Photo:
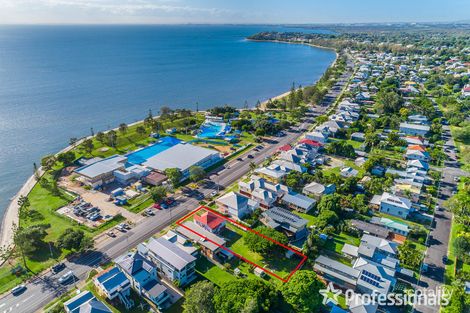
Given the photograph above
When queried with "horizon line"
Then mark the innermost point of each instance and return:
(234, 24)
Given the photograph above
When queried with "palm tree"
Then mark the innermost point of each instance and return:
(252, 166)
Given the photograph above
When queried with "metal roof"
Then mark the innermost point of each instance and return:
(199, 239)
(170, 253)
(182, 156)
(299, 200)
(101, 167)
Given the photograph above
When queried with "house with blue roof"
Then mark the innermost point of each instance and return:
(142, 274)
(114, 284)
(85, 302)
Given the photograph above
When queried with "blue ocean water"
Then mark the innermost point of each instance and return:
(56, 82)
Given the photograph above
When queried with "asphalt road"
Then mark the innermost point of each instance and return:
(438, 239)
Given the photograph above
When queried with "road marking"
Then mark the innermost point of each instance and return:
(28, 298)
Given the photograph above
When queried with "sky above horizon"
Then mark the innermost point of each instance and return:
(230, 11)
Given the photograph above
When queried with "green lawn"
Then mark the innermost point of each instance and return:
(44, 205)
(311, 219)
(139, 203)
(8, 280)
(338, 241)
(212, 272)
(278, 264)
(463, 151)
(451, 262)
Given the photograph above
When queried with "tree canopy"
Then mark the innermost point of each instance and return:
(247, 295)
(199, 298)
(302, 292)
(257, 243)
(74, 239)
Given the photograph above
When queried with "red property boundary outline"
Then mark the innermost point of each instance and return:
(303, 256)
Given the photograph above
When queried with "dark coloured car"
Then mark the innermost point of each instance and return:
(57, 268)
(249, 156)
(18, 289)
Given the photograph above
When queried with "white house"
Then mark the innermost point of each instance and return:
(236, 205)
(316, 136)
(392, 204)
(414, 129)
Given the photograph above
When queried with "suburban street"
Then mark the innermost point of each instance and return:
(438, 239)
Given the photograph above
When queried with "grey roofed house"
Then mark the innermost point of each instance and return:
(314, 188)
(290, 166)
(374, 277)
(298, 201)
(233, 200)
(183, 242)
(369, 228)
(170, 253)
(85, 302)
(279, 216)
(370, 243)
(336, 270)
(286, 220)
(133, 263)
(318, 190)
(348, 172)
(154, 289)
(419, 128)
(182, 156)
(350, 250)
(202, 241)
(102, 167)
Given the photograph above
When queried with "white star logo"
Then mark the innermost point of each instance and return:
(330, 291)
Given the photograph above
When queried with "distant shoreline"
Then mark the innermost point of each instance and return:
(280, 96)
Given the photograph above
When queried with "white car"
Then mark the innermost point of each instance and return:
(66, 277)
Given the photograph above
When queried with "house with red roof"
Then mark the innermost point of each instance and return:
(284, 148)
(210, 221)
(416, 147)
(310, 142)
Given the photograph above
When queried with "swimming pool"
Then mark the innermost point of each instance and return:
(142, 155)
(212, 130)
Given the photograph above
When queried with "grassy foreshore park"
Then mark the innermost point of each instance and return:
(44, 235)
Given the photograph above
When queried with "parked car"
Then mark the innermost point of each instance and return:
(57, 268)
(213, 193)
(66, 277)
(18, 289)
(239, 159)
(111, 234)
(120, 228)
(150, 212)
